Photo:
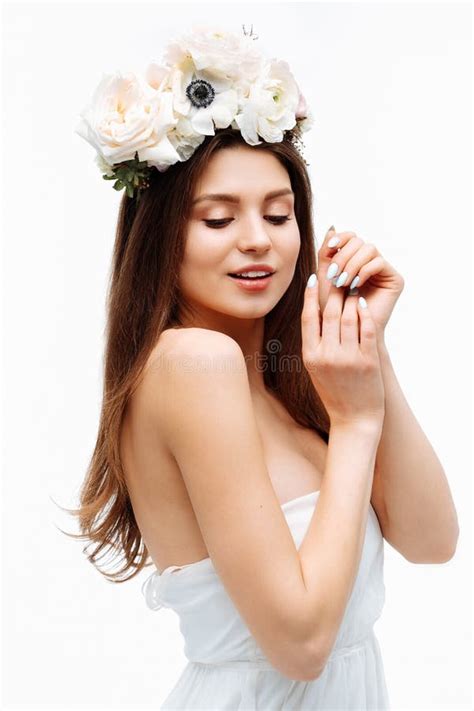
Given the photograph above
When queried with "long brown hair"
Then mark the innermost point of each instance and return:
(143, 300)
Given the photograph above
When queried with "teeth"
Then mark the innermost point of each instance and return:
(253, 274)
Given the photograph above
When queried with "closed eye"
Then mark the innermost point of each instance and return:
(275, 219)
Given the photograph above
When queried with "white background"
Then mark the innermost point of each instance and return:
(390, 158)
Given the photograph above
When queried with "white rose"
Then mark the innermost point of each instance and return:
(225, 54)
(127, 115)
(185, 139)
(271, 105)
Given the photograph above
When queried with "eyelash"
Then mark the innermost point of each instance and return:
(218, 224)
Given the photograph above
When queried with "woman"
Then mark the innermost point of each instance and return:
(242, 418)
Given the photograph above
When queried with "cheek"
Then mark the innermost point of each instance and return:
(291, 246)
(204, 252)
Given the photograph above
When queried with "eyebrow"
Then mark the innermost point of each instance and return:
(228, 197)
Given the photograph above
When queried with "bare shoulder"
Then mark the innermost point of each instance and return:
(193, 339)
(183, 362)
(181, 352)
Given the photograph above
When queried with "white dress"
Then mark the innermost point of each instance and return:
(226, 668)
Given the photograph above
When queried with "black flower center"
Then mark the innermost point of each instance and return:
(200, 93)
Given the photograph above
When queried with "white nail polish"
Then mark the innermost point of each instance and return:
(341, 279)
(354, 282)
(333, 241)
(312, 280)
(332, 270)
(362, 302)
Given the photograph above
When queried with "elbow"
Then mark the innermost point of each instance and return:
(313, 672)
(305, 654)
(437, 551)
(448, 554)
(442, 555)
(307, 670)
(316, 651)
(312, 664)
(303, 664)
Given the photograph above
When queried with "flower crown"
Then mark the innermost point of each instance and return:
(209, 79)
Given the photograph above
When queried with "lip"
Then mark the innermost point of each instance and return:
(254, 284)
(259, 267)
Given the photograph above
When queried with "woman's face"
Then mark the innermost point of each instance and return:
(251, 228)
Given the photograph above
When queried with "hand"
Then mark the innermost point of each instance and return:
(340, 353)
(382, 284)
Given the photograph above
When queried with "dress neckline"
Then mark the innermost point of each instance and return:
(207, 560)
(299, 498)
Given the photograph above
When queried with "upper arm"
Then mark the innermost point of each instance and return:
(205, 414)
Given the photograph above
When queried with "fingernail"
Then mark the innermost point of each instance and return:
(333, 241)
(362, 302)
(342, 278)
(332, 270)
(332, 229)
(312, 280)
(354, 282)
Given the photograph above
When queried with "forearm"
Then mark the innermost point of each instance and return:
(332, 547)
(421, 520)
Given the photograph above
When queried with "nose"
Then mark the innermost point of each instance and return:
(254, 234)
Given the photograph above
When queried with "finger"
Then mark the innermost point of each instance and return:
(368, 333)
(337, 266)
(335, 241)
(324, 252)
(310, 317)
(331, 317)
(355, 261)
(365, 270)
(330, 234)
(350, 322)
